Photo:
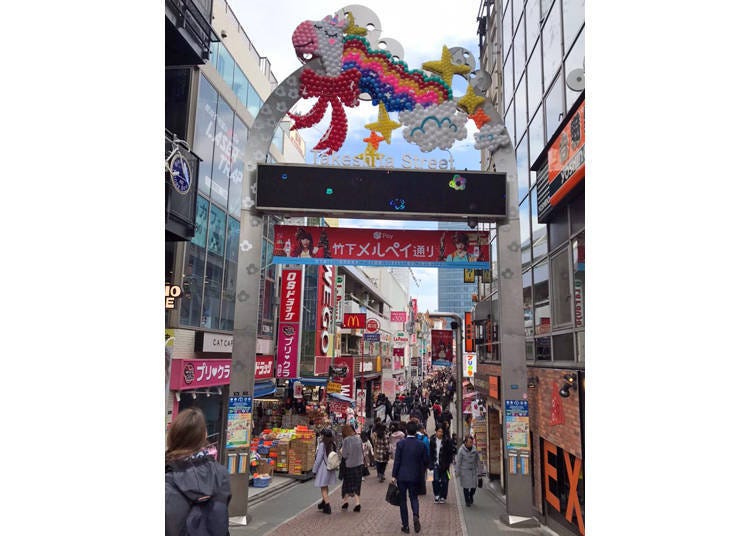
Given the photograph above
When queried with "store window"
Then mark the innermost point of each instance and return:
(522, 163)
(203, 140)
(524, 216)
(192, 285)
(543, 348)
(541, 299)
(507, 33)
(519, 53)
(551, 46)
(574, 61)
(579, 280)
(237, 169)
(510, 122)
(508, 84)
(534, 76)
(225, 65)
(562, 347)
(561, 293)
(240, 85)
(580, 344)
(230, 275)
(522, 119)
(530, 350)
(573, 17)
(536, 134)
(528, 305)
(554, 105)
(558, 229)
(222, 155)
(577, 213)
(538, 230)
(533, 22)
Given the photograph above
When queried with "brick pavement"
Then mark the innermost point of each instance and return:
(377, 516)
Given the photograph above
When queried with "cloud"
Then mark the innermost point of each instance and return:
(491, 137)
(434, 126)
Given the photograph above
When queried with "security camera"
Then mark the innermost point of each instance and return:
(472, 223)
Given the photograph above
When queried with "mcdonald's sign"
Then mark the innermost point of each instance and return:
(354, 320)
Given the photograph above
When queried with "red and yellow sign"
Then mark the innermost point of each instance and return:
(354, 320)
(565, 156)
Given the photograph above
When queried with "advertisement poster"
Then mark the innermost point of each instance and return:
(517, 424)
(398, 316)
(263, 367)
(342, 372)
(291, 296)
(442, 347)
(239, 421)
(378, 247)
(470, 364)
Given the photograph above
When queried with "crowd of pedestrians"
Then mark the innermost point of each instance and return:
(398, 434)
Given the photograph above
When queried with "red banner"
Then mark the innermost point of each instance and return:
(291, 295)
(379, 247)
(442, 347)
(263, 367)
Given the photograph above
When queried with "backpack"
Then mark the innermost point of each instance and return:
(204, 515)
(207, 517)
(333, 460)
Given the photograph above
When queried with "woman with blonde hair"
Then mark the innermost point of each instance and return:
(197, 487)
(352, 464)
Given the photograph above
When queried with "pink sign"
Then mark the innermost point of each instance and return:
(263, 367)
(289, 337)
(398, 316)
(389, 387)
(198, 373)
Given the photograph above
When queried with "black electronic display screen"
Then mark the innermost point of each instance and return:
(294, 189)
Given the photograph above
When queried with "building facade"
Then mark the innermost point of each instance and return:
(534, 53)
(210, 104)
(454, 293)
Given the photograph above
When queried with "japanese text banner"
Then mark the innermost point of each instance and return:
(379, 247)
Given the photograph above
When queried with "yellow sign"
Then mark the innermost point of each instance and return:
(333, 387)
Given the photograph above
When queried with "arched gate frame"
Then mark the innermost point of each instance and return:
(508, 311)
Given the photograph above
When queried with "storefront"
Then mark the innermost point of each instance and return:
(202, 383)
(556, 402)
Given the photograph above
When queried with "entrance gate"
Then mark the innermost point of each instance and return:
(342, 69)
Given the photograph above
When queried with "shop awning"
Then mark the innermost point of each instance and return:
(319, 382)
(264, 388)
(339, 396)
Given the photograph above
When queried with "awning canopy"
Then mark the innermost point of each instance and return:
(339, 396)
(264, 388)
(319, 382)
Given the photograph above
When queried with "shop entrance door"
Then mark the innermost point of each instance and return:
(212, 409)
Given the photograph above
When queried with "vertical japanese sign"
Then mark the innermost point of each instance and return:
(289, 324)
(470, 364)
(442, 347)
(468, 332)
(239, 421)
(325, 321)
(340, 285)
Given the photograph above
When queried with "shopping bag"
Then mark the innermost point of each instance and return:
(393, 495)
(481, 482)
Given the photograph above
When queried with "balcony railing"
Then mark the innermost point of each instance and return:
(195, 17)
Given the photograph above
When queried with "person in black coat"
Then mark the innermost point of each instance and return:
(442, 451)
(409, 464)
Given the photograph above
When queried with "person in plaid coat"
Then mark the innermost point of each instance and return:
(381, 446)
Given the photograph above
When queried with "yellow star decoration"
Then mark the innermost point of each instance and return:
(374, 140)
(445, 68)
(370, 156)
(384, 124)
(470, 101)
(352, 28)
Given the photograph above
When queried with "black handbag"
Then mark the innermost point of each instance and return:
(480, 482)
(393, 495)
(341, 468)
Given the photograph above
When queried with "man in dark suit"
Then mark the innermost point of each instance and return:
(409, 464)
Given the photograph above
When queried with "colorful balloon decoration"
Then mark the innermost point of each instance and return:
(424, 102)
